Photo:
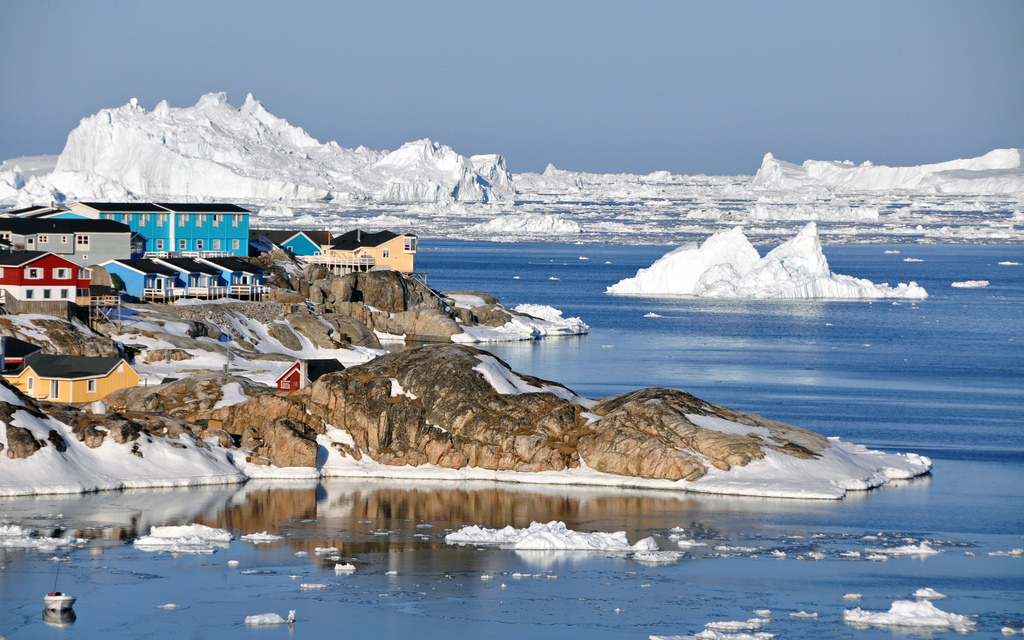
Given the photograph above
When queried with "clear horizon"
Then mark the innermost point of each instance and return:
(686, 87)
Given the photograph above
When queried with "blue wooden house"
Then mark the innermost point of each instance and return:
(147, 279)
(243, 279)
(200, 279)
(188, 229)
(299, 243)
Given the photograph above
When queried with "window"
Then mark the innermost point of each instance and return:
(161, 218)
(31, 383)
(235, 219)
(30, 242)
(33, 274)
(410, 244)
(200, 218)
(182, 219)
(44, 239)
(84, 274)
(216, 220)
(64, 294)
(216, 244)
(386, 253)
(160, 244)
(62, 274)
(286, 384)
(5, 235)
(144, 219)
(1, 272)
(46, 294)
(30, 294)
(63, 239)
(199, 244)
(90, 386)
(82, 242)
(234, 244)
(182, 244)
(54, 388)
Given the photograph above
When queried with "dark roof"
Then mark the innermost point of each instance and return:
(124, 207)
(202, 207)
(190, 265)
(28, 226)
(280, 236)
(145, 265)
(68, 367)
(321, 367)
(229, 263)
(18, 258)
(358, 238)
(17, 348)
(34, 210)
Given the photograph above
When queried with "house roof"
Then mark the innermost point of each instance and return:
(18, 258)
(144, 265)
(358, 238)
(201, 207)
(18, 348)
(189, 265)
(229, 263)
(321, 367)
(28, 226)
(125, 207)
(69, 367)
(280, 236)
(31, 211)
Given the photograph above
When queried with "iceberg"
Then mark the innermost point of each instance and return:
(907, 613)
(728, 266)
(214, 151)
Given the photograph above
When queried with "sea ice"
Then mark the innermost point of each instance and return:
(269, 619)
(970, 284)
(553, 535)
(928, 594)
(728, 266)
(261, 538)
(191, 538)
(906, 613)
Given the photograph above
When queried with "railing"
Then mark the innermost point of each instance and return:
(354, 263)
(188, 254)
(169, 293)
(208, 292)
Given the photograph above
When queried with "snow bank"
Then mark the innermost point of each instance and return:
(906, 613)
(214, 151)
(728, 266)
(998, 171)
(551, 536)
(530, 322)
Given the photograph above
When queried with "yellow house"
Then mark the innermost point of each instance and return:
(381, 249)
(57, 378)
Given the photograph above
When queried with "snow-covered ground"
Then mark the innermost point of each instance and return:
(248, 156)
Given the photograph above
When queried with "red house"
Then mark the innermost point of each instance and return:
(41, 276)
(303, 372)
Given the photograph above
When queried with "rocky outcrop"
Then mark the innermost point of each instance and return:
(56, 335)
(186, 398)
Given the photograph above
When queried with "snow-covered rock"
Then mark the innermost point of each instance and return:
(728, 266)
(212, 150)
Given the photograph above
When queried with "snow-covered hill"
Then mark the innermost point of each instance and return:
(214, 151)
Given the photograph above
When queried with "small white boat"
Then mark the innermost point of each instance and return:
(57, 601)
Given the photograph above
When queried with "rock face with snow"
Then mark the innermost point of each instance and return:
(212, 150)
(998, 171)
(728, 266)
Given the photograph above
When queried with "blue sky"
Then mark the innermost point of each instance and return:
(691, 87)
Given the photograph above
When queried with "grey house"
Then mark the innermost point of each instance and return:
(84, 242)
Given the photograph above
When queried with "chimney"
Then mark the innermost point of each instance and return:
(359, 235)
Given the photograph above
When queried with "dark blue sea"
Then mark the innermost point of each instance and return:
(942, 377)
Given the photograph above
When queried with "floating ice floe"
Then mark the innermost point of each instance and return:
(1010, 263)
(852, 596)
(168, 606)
(928, 594)
(313, 586)
(269, 619)
(970, 284)
(923, 549)
(753, 624)
(728, 266)
(906, 613)
(190, 538)
(261, 538)
(803, 614)
(551, 536)
(344, 568)
(1013, 553)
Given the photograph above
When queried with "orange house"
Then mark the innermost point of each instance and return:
(381, 249)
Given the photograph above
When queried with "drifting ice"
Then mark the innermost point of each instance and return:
(728, 266)
(905, 613)
(553, 535)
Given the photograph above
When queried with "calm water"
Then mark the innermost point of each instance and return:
(943, 377)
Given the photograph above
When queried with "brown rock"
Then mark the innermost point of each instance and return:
(20, 442)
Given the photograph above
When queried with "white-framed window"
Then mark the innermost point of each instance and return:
(63, 239)
(82, 242)
(62, 274)
(84, 274)
(235, 219)
(54, 388)
(199, 244)
(64, 294)
(161, 219)
(30, 243)
(200, 219)
(32, 273)
(44, 239)
(159, 244)
(385, 253)
(46, 294)
(30, 383)
(410, 245)
(216, 244)
(90, 385)
(5, 235)
(182, 219)
(234, 244)
(216, 220)
(182, 244)
(144, 220)
(30, 294)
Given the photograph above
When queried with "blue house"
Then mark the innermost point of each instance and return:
(186, 229)
(200, 280)
(147, 279)
(243, 279)
(299, 243)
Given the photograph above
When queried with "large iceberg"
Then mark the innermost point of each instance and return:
(212, 150)
(998, 171)
(728, 266)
